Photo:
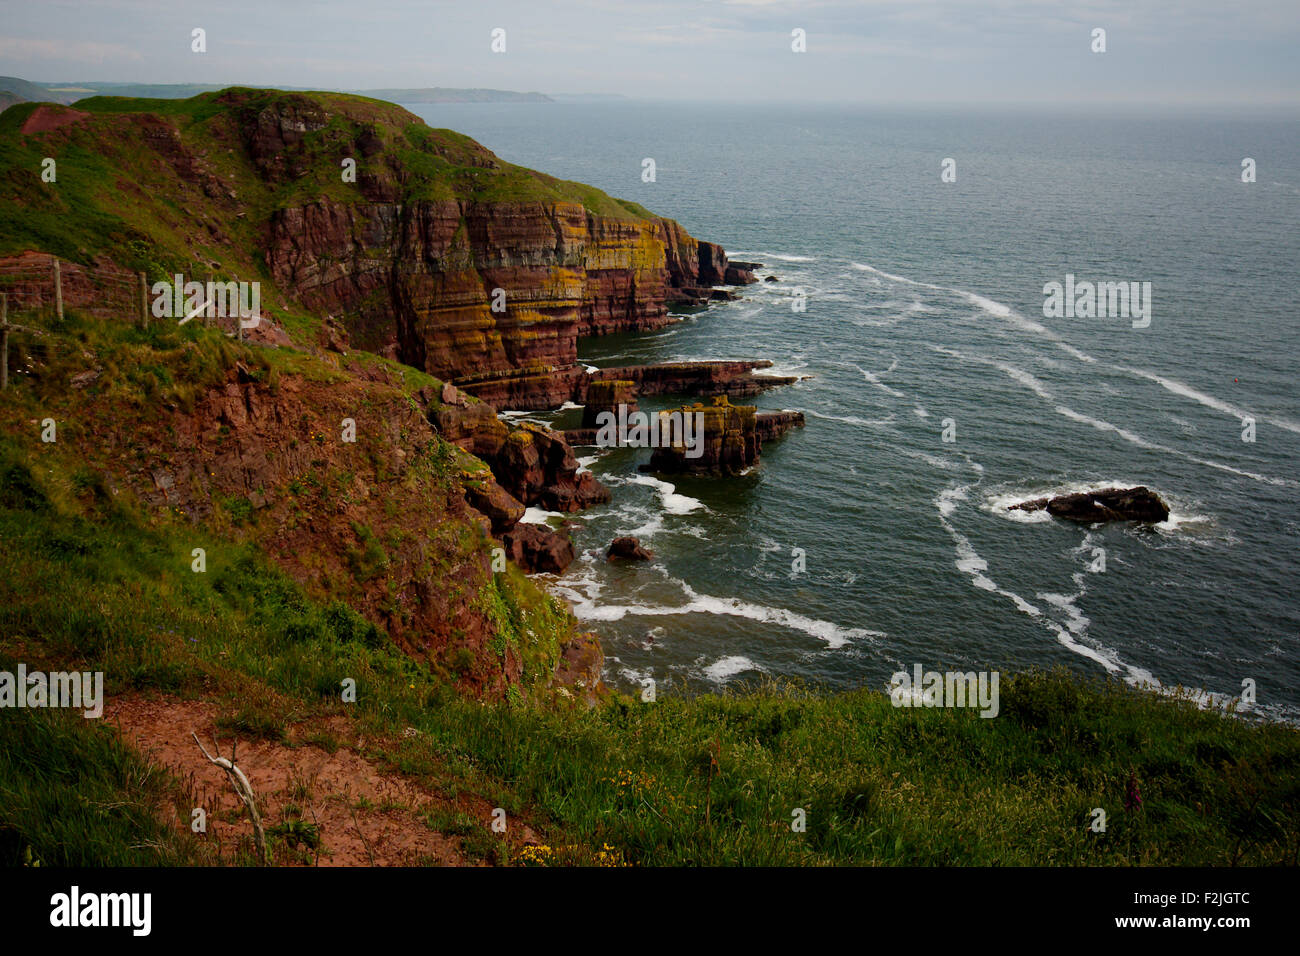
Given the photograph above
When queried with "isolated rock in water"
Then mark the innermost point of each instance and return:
(628, 548)
(536, 547)
(729, 441)
(771, 279)
(726, 443)
(1105, 504)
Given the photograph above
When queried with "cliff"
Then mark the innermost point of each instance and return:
(426, 246)
(368, 232)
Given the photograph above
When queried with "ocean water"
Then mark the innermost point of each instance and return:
(925, 305)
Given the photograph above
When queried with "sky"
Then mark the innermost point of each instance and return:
(1221, 52)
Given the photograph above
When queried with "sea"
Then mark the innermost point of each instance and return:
(937, 392)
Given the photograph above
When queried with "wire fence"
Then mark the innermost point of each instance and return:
(37, 291)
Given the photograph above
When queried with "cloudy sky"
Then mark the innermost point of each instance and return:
(1234, 52)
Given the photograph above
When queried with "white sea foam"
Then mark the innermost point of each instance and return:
(781, 370)
(1076, 622)
(525, 416)
(539, 515)
(1209, 401)
(934, 461)
(673, 503)
(863, 267)
(969, 562)
(832, 635)
(1025, 378)
(874, 379)
(852, 419)
(1069, 349)
(1178, 521)
(989, 306)
(745, 256)
(948, 498)
(1133, 438)
(727, 667)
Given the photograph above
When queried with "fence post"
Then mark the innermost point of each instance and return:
(144, 301)
(4, 340)
(58, 290)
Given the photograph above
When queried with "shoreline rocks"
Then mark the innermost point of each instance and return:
(627, 549)
(772, 425)
(538, 548)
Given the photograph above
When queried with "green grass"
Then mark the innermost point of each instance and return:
(71, 794)
(710, 779)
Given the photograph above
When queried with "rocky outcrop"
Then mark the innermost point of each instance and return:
(419, 281)
(627, 549)
(502, 509)
(732, 379)
(538, 467)
(537, 548)
(772, 425)
(1105, 504)
(741, 273)
(472, 427)
(606, 396)
(730, 441)
(530, 465)
(578, 673)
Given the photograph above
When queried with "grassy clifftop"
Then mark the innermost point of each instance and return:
(157, 183)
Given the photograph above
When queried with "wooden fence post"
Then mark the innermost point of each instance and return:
(144, 301)
(4, 340)
(58, 290)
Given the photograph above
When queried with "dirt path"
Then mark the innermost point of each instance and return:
(366, 816)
